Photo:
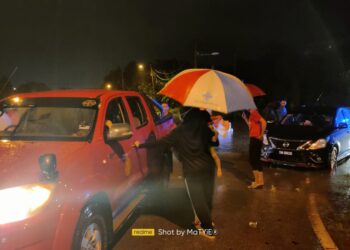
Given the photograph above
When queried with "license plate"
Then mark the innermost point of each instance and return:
(285, 152)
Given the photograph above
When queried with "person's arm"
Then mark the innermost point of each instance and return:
(214, 137)
(263, 126)
(167, 141)
(245, 118)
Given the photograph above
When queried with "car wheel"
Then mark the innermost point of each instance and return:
(332, 159)
(92, 231)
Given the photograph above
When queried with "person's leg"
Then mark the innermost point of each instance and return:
(208, 182)
(199, 200)
(217, 161)
(254, 159)
(258, 164)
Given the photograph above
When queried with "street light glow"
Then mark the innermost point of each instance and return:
(109, 86)
(140, 66)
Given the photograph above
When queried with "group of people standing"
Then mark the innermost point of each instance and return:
(275, 111)
(193, 140)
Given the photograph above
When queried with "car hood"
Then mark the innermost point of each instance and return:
(19, 163)
(298, 132)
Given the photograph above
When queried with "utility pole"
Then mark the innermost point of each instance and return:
(152, 79)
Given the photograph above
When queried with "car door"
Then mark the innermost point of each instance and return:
(340, 135)
(142, 127)
(346, 131)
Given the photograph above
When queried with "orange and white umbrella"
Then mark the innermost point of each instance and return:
(255, 90)
(210, 89)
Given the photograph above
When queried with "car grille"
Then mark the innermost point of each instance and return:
(291, 159)
(286, 144)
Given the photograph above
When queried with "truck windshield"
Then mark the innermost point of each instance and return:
(48, 119)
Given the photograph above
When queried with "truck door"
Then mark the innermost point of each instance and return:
(142, 127)
(120, 153)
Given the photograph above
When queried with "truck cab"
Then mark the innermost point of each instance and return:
(68, 169)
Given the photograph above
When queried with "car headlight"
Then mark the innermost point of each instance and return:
(19, 203)
(320, 143)
(310, 145)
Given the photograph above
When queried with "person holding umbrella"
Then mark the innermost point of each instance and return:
(192, 140)
(257, 126)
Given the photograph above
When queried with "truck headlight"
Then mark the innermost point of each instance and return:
(19, 203)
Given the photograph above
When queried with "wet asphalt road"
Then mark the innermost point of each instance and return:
(281, 209)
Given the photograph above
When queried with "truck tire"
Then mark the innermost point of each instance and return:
(92, 230)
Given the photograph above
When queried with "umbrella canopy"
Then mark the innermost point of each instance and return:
(210, 89)
(255, 90)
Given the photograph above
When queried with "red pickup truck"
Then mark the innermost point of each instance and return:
(69, 176)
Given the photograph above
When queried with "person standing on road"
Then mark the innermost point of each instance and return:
(257, 126)
(192, 140)
(282, 109)
(270, 112)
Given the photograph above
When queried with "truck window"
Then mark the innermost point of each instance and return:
(138, 111)
(156, 111)
(116, 112)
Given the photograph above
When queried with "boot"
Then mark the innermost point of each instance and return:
(256, 179)
(261, 178)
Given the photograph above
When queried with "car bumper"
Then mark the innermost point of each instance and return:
(303, 158)
(36, 232)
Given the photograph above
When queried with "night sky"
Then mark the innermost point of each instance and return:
(71, 43)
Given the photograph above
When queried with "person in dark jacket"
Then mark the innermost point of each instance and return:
(270, 112)
(192, 140)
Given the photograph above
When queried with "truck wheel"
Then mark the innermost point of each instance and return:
(332, 158)
(92, 231)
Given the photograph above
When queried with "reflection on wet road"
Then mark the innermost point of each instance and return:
(280, 211)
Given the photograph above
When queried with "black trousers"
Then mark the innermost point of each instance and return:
(255, 153)
(201, 189)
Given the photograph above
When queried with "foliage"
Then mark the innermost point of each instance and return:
(32, 87)
(115, 78)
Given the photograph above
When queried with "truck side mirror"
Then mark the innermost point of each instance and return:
(119, 131)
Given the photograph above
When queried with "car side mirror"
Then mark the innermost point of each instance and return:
(119, 131)
(342, 125)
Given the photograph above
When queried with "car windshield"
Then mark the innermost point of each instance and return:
(48, 119)
(308, 119)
